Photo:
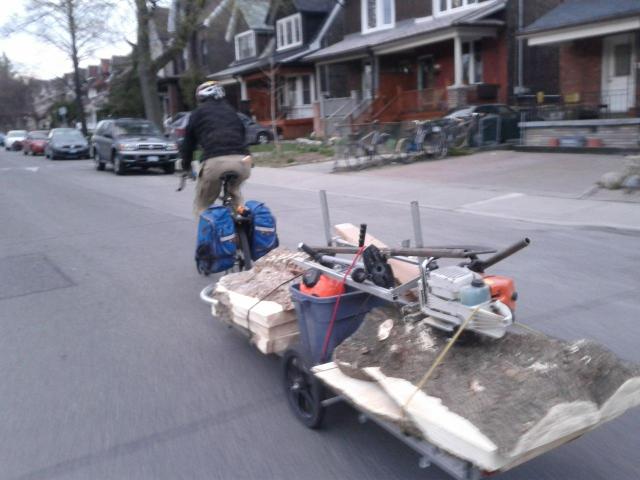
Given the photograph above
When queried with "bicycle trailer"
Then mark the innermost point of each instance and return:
(460, 409)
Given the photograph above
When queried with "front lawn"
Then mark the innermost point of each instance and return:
(291, 153)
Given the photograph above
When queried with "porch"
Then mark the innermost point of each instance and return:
(286, 96)
(599, 53)
(599, 81)
(417, 82)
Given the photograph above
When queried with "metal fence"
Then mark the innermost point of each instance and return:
(375, 144)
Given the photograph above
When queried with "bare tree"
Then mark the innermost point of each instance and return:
(148, 67)
(15, 97)
(76, 27)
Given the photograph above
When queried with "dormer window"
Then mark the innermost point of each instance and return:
(289, 31)
(447, 6)
(245, 45)
(378, 15)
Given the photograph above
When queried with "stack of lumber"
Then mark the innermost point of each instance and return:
(495, 403)
(251, 301)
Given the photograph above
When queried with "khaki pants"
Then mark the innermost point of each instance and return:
(209, 184)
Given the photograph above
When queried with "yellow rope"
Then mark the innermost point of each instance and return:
(440, 358)
(526, 327)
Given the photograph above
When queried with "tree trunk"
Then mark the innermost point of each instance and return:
(76, 68)
(273, 93)
(146, 71)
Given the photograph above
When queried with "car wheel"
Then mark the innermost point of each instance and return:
(99, 163)
(170, 168)
(118, 166)
(263, 138)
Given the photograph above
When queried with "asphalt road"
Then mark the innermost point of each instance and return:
(111, 367)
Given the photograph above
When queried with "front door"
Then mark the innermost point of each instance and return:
(618, 73)
(426, 72)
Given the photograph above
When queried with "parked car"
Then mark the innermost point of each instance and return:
(257, 133)
(2, 135)
(35, 143)
(14, 139)
(66, 143)
(176, 127)
(509, 118)
(132, 142)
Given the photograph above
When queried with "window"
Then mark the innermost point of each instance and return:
(306, 90)
(622, 60)
(245, 45)
(444, 6)
(472, 68)
(299, 91)
(378, 14)
(289, 31)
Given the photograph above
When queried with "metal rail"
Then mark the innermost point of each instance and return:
(429, 453)
(388, 294)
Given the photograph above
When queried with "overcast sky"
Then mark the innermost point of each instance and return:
(41, 60)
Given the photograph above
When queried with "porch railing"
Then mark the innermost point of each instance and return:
(618, 103)
(431, 100)
(332, 107)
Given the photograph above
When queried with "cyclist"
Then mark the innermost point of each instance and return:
(216, 127)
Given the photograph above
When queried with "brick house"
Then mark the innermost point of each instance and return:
(271, 40)
(398, 60)
(599, 45)
(206, 50)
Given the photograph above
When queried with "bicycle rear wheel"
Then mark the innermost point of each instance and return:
(244, 252)
(441, 148)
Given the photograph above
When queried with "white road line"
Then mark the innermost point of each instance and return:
(13, 169)
(508, 196)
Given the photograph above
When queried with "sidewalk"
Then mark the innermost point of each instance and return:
(540, 188)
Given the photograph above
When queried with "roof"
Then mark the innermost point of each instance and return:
(254, 12)
(286, 56)
(406, 29)
(578, 12)
(314, 6)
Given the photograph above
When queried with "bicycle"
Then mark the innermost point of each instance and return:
(429, 139)
(365, 149)
(240, 216)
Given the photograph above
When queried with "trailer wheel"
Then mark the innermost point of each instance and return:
(303, 390)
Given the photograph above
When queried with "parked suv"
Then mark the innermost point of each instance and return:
(132, 142)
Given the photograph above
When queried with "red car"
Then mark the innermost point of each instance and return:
(35, 142)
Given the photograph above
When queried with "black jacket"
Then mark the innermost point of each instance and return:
(216, 127)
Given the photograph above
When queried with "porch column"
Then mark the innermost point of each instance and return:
(457, 60)
(244, 96)
(457, 93)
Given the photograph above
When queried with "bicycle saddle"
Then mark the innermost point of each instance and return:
(229, 177)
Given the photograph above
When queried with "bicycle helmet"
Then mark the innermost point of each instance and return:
(210, 90)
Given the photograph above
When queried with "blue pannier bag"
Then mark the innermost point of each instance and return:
(263, 236)
(216, 248)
